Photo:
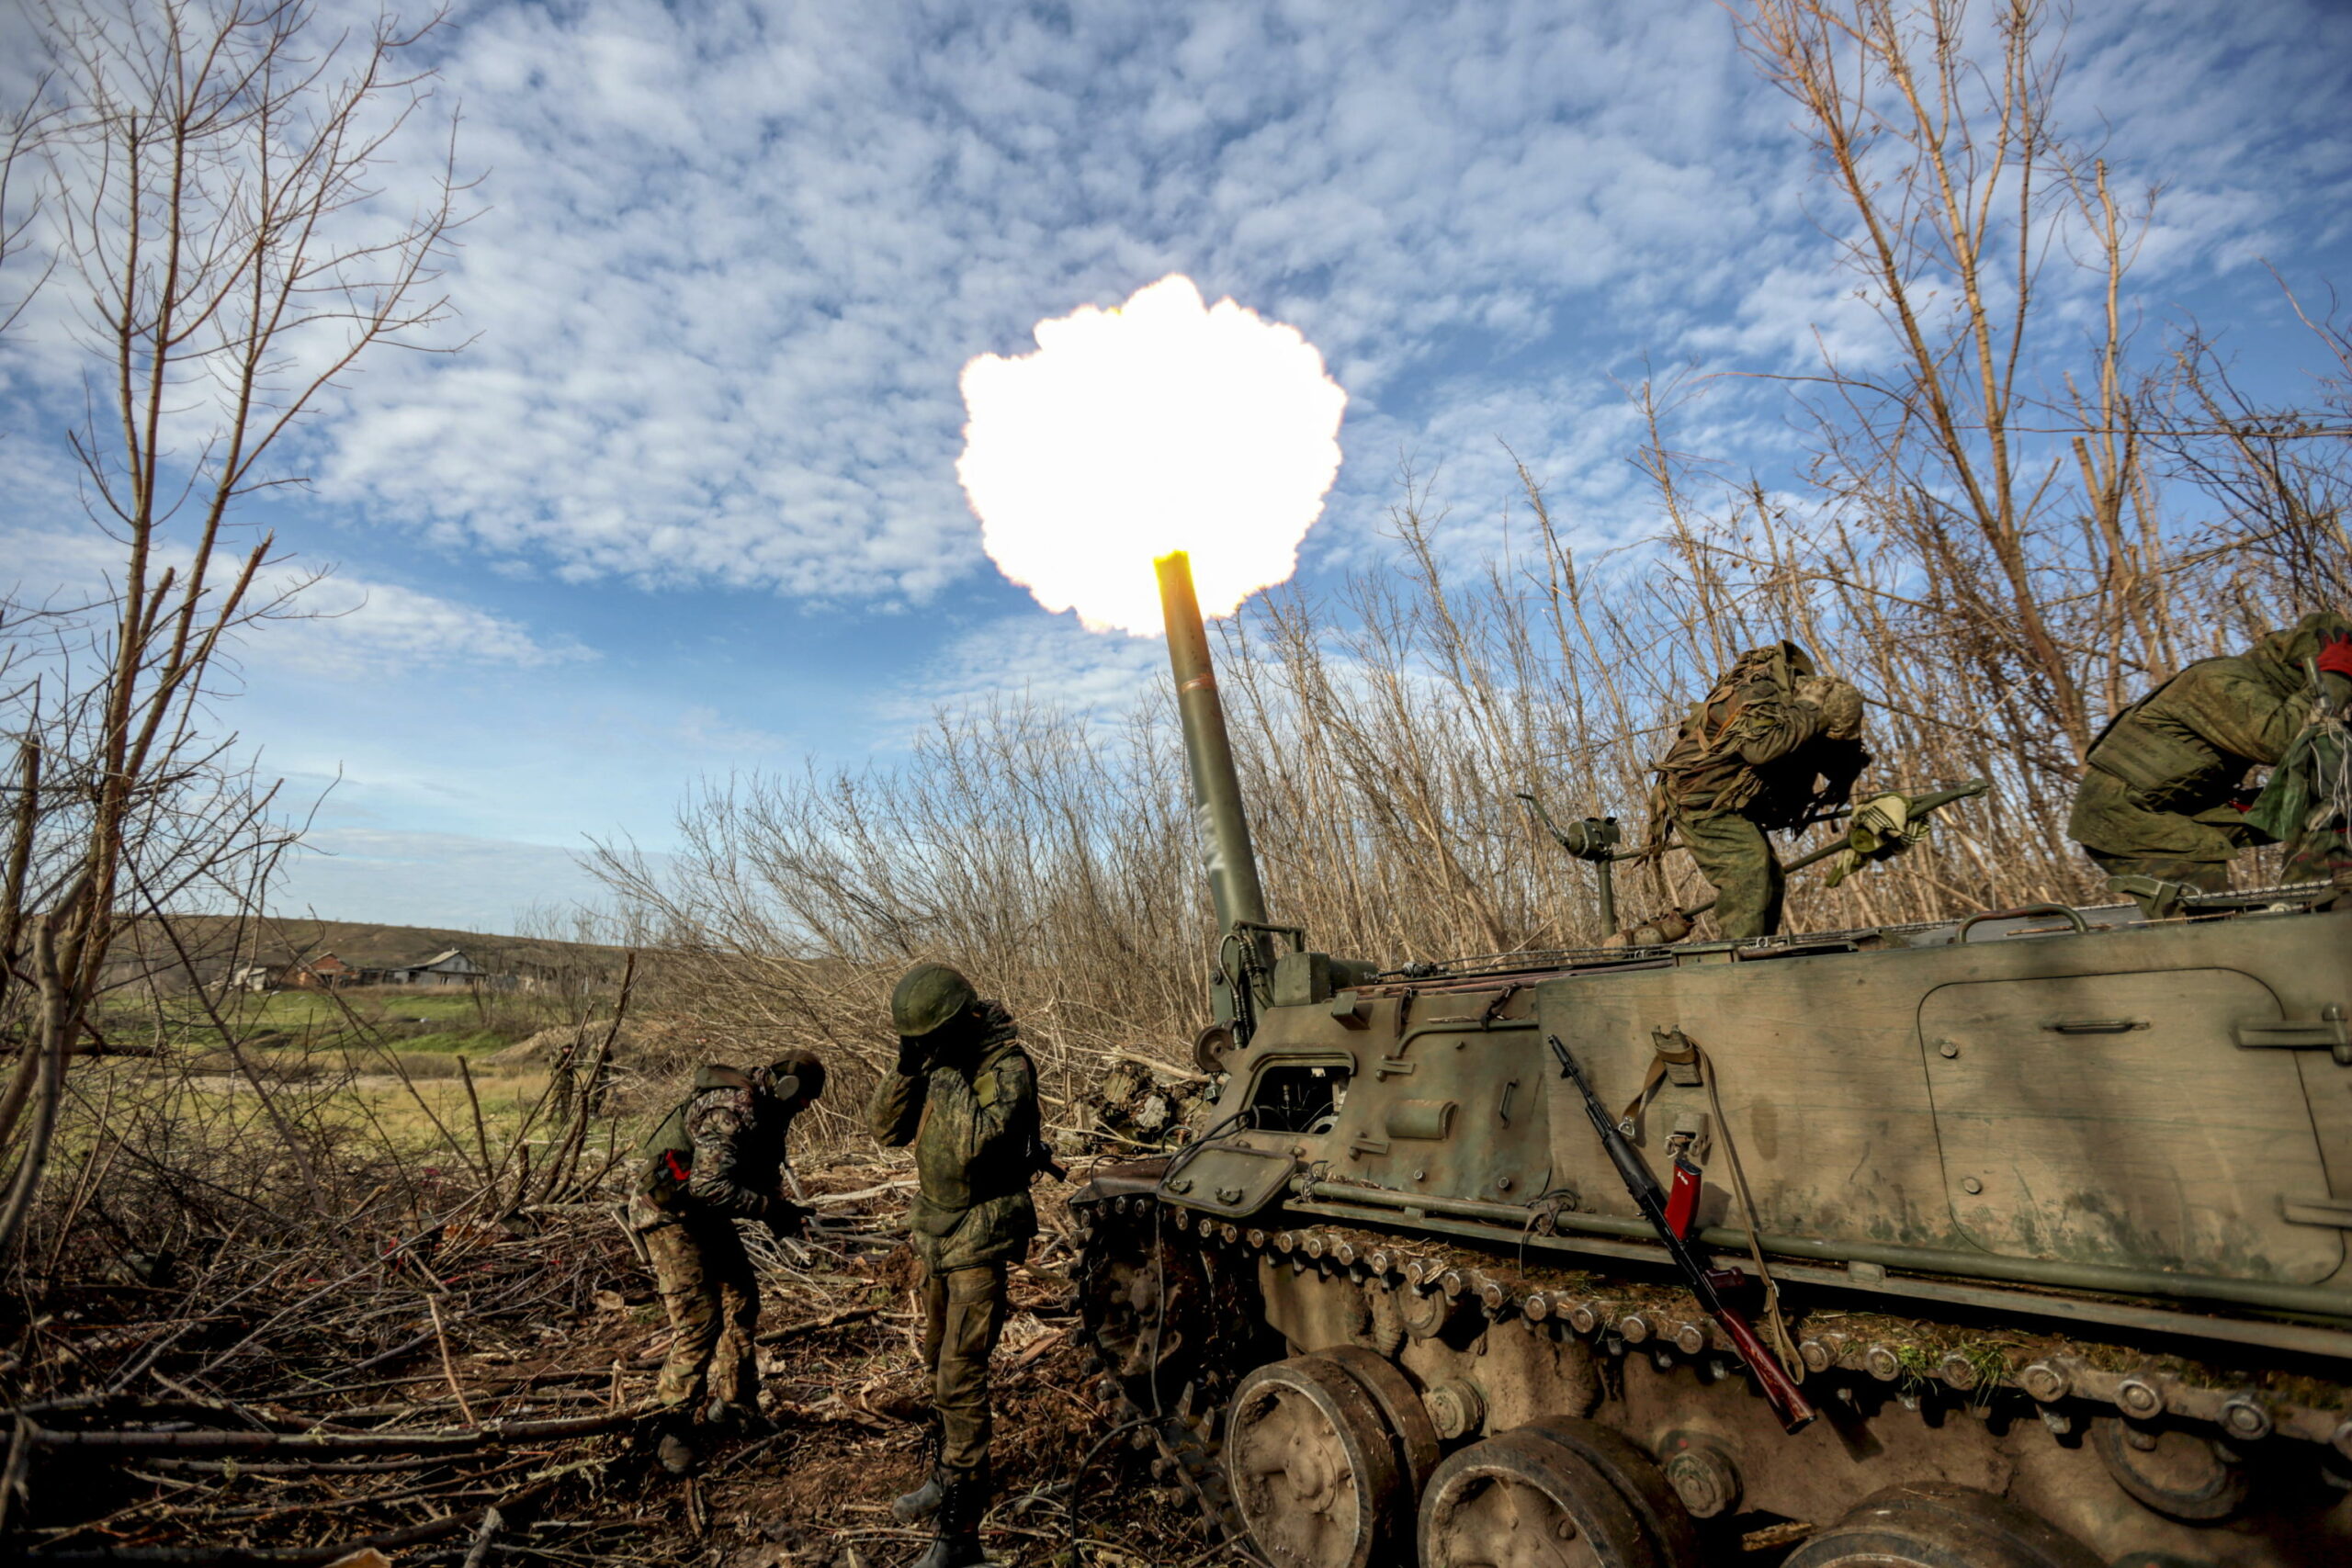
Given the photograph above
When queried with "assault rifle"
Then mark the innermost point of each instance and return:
(1707, 1283)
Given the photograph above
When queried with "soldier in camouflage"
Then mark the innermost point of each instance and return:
(2161, 801)
(1772, 746)
(716, 1158)
(965, 1094)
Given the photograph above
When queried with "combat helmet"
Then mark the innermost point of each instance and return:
(928, 996)
(1839, 702)
(797, 1077)
(2289, 648)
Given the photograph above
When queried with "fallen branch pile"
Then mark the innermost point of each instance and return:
(450, 1340)
(446, 1385)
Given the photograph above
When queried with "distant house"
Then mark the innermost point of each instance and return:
(324, 972)
(450, 968)
(254, 978)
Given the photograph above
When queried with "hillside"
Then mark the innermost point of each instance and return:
(218, 941)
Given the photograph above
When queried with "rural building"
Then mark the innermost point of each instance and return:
(452, 967)
(254, 978)
(326, 972)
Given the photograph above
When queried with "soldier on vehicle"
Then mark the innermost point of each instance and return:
(965, 1094)
(716, 1158)
(1774, 745)
(2160, 803)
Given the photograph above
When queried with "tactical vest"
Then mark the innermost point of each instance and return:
(666, 1158)
(2164, 767)
(1704, 758)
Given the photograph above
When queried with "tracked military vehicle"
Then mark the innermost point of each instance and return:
(2009, 1242)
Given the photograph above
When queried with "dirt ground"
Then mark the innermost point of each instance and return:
(847, 1397)
(550, 1317)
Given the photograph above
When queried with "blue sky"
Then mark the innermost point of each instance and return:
(687, 503)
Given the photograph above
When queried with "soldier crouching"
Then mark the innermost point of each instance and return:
(965, 1094)
(2161, 808)
(1774, 746)
(716, 1158)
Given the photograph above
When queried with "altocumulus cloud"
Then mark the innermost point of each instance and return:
(735, 255)
(349, 626)
(337, 623)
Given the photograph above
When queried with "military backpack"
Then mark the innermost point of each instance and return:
(666, 1158)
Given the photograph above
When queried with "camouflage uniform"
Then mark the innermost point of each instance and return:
(1744, 763)
(718, 1158)
(2160, 795)
(971, 1114)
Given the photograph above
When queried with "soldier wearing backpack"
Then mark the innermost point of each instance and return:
(1774, 745)
(716, 1158)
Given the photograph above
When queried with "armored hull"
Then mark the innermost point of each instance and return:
(2054, 1203)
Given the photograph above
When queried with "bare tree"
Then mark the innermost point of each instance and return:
(2012, 477)
(2279, 475)
(214, 220)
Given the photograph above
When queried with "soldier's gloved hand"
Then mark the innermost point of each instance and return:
(2336, 657)
(787, 1220)
(914, 1056)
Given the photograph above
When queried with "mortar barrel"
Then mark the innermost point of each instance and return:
(1225, 853)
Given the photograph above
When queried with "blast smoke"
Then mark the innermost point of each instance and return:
(1161, 425)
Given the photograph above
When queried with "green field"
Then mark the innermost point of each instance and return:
(414, 1023)
(383, 1051)
(367, 1068)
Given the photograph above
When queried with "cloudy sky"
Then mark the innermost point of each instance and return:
(686, 502)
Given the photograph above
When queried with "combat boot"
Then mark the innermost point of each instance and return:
(740, 1420)
(913, 1507)
(955, 1529)
(675, 1444)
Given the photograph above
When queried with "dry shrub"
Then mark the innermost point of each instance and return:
(1384, 738)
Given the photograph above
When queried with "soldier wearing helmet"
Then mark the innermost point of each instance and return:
(1772, 746)
(717, 1158)
(2160, 808)
(965, 1095)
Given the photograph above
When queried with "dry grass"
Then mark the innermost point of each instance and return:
(1383, 737)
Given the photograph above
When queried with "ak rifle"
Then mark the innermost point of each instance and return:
(1707, 1283)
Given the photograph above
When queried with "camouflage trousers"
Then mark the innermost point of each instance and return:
(2312, 857)
(713, 1300)
(962, 1314)
(2324, 856)
(1734, 854)
(2196, 875)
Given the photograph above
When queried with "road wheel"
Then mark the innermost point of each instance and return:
(1312, 1466)
(1526, 1500)
(1400, 1407)
(1936, 1525)
(1637, 1477)
(2181, 1475)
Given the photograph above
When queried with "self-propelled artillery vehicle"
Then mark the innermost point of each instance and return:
(2015, 1241)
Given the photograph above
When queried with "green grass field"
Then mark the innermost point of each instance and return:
(384, 1066)
(447, 1023)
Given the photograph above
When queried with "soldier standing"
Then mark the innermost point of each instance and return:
(965, 1094)
(2160, 801)
(716, 1158)
(1772, 746)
